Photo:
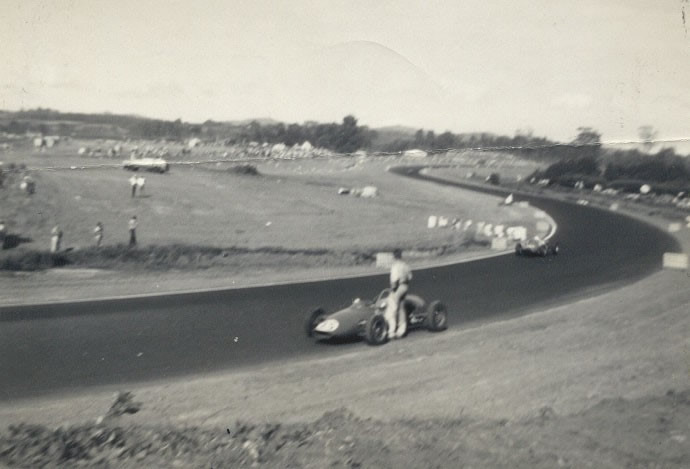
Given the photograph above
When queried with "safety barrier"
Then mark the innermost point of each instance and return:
(499, 244)
(500, 236)
(517, 233)
(675, 261)
(674, 227)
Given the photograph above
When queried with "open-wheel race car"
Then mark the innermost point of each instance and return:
(364, 318)
(536, 247)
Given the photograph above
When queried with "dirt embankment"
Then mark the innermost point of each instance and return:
(645, 432)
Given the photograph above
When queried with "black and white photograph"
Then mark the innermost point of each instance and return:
(345, 234)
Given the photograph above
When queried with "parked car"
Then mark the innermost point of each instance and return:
(158, 165)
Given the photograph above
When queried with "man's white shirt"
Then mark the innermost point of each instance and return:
(400, 273)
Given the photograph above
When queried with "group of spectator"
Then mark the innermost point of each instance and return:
(56, 234)
(137, 182)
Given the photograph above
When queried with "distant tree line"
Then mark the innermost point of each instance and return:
(429, 141)
(587, 143)
(581, 159)
(626, 170)
(48, 121)
(344, 137)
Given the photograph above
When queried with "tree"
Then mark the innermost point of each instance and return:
(350, 122)
(293, 134)
(350, 136)
(430, 140)
(522, 138)
(346, 141)
(585, 166)
(176, 129)
(648, 135)
(587, 143)
(527, 133)
(15, 127)
(587, 136)
(254, 131)
(446, 140)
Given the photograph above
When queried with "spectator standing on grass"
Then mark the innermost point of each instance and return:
(133, 183)
(140, 184)
(3, 234)
(28, 185)
(55, 238)
(98, 234)
(400, 278)
(133, 231)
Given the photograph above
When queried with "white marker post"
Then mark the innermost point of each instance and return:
(675, 261)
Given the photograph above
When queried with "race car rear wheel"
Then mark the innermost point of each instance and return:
(376, 330)
(312, 320)
(437, 317)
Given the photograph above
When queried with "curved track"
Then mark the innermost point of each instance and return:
(61, 347)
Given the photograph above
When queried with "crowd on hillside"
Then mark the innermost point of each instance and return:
(197, 149)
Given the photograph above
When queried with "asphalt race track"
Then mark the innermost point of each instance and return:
(65, 347)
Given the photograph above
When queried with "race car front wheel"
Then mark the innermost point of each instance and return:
(312, 320)
(376, 330)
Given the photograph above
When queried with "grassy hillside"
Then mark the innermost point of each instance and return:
(288, 205)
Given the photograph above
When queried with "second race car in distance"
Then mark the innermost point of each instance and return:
(536, 247)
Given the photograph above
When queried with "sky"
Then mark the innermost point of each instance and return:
(549, 66)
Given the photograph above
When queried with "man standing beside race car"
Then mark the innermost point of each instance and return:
(400, 278)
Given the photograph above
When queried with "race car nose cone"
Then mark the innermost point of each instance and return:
(329, 325)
